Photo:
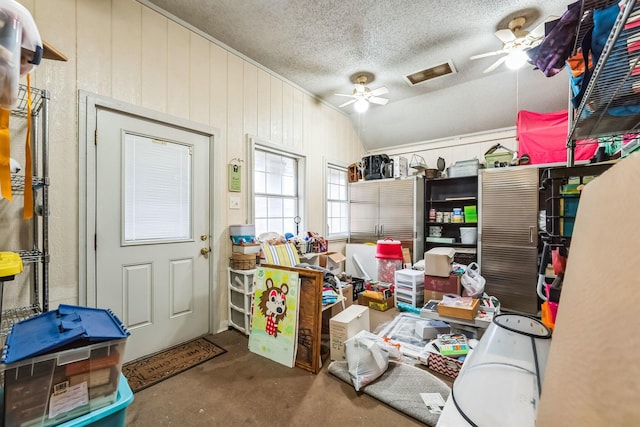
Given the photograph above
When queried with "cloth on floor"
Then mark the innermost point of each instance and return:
(400, 387)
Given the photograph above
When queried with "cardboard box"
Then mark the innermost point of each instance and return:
(347, 291)
(468, 313)
(444, 285)
(429, 295)
(376, 304)
(332, 261)
(345, 325)
(437, 261)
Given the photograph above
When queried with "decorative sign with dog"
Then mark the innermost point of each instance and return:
(274, 323)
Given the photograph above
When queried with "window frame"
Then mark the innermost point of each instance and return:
(330, 164)
(255, 143)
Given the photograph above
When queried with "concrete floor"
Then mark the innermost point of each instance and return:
(240, 388)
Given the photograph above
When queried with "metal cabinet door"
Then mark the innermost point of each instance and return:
(363, 211)
(397, 213)
(509, 236)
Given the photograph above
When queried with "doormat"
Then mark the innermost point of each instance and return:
(151, 370)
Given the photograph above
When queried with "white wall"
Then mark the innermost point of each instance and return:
(129, 52)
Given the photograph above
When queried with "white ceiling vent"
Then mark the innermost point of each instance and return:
(430, 73)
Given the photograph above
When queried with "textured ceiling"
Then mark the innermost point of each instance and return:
(319, 44)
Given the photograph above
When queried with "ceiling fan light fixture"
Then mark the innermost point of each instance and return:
(516, 59)
(361, 105)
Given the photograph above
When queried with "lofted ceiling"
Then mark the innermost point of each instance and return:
(319, 44)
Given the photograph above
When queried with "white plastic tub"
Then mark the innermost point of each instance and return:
(469, 235)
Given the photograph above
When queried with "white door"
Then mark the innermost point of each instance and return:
(152, 230)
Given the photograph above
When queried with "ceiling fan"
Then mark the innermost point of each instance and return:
(515, 41)
(362, 95)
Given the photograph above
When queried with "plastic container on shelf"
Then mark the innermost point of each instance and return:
(468, 235)
(10, 41)
(389, 259)
(470, 213)
(242, 234)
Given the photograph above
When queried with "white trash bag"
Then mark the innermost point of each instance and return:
(472, 282)
(367, 358)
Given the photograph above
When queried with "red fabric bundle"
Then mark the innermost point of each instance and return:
(543, 136)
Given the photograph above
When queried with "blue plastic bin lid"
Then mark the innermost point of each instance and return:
(52, 330)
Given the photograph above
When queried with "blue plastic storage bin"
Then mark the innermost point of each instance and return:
(62, 365)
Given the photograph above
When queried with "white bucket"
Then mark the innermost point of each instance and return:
(468, 235)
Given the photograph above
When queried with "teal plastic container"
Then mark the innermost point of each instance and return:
(113, 415)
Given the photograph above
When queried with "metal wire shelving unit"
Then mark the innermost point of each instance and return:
(37, 256)
(615, 81)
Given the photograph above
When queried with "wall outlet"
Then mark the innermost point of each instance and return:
(234, 202)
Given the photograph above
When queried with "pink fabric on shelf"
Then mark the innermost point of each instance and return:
(543, 136)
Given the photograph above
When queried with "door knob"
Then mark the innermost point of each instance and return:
(205, 252)
(203, 237)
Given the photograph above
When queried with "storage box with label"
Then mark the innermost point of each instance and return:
(332, 261)
(444, 285)
(45, 387)
(437, 261)
(344, 325)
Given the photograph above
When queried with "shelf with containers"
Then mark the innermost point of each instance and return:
(240, 284)
(451, 207)
(561, 188)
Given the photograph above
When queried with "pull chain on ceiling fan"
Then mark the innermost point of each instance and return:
(362, 95)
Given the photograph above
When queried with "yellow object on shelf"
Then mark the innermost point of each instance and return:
(10, 264)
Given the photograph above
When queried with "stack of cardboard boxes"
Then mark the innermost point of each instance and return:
(439, 280)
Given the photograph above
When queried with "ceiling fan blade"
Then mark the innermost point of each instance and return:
(538, 32)
(495, 65)
(379, 101)
(484, 55)
(347, 103)
(380, 91)
(505, 35)
(342, 94)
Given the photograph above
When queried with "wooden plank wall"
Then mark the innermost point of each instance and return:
(126, 51)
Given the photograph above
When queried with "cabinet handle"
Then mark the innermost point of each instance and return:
(381, 230)
(531, 227)
(375, 230)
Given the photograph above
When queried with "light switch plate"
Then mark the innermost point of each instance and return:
(234, 202)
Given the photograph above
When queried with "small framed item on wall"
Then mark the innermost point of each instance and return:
(234, 177)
